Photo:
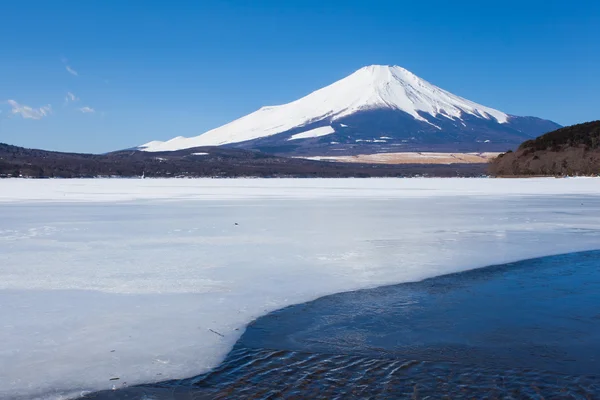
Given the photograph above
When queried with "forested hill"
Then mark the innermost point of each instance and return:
(569, 151)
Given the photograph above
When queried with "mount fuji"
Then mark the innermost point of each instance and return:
(376, 109)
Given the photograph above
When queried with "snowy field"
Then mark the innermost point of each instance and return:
(138, 279)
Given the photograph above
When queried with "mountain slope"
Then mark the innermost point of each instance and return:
(377, 107)
(574, 150)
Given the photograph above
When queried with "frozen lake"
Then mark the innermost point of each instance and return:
(523, 330)
(147, 280)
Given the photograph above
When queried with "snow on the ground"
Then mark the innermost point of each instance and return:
(67, 190)
(313, 133)
(104, 279)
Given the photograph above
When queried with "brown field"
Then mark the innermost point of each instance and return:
(412, 158)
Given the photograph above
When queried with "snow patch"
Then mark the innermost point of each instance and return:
(313, 133)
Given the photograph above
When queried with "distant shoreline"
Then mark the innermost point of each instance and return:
(208, 162)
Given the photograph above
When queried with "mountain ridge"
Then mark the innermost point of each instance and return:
(397, 104)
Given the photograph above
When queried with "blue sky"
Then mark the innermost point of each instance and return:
(150, 70)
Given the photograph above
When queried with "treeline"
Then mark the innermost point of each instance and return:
(202, 162)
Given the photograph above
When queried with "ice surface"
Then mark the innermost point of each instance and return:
(103, 279)
(372, 87)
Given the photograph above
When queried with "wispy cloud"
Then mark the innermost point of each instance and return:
(71, 70)
(29, 112)
(87, 110)
(71, 97)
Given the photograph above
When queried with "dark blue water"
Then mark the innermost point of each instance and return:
(529, 329)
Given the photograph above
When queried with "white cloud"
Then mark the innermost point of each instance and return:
(71, 70)
(71, 97)
(29, 112)
(87, 110)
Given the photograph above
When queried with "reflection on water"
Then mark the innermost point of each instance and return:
(523, 330)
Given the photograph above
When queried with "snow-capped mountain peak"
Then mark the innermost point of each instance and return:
(373, 87)
(394, 87)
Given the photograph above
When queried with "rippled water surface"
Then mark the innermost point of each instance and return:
(529, 329)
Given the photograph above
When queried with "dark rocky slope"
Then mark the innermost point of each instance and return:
(388, 131)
